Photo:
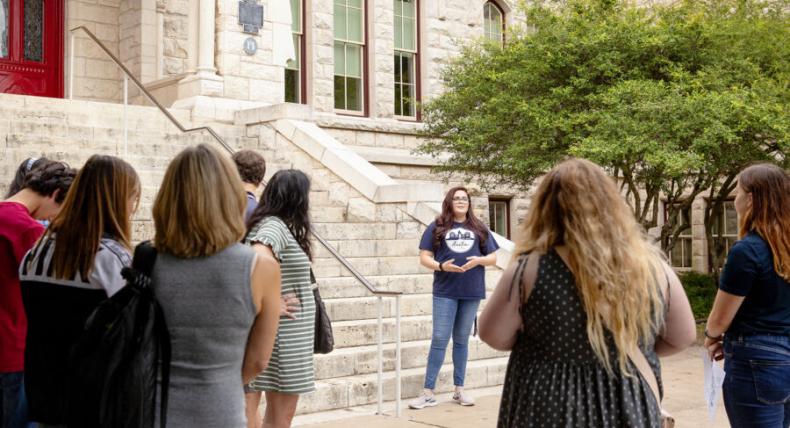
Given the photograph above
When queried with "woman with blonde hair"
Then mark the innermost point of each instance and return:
(592, 296)
(749, 325)
(220, 298)
(75, 266)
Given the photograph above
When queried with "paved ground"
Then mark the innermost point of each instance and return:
(682, 376)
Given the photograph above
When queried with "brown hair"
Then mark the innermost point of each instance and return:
(96, 205)
(199, 209)
(251, 166)
(614, 264)
(444, 221)
(48, 176)
(770, 213)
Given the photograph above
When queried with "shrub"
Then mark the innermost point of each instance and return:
(701, 290)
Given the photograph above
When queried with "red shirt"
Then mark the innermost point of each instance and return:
(18, 234)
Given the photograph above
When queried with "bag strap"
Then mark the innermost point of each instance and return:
(143, 262)
(166, 353)
(144, 258)
(526, 275)
(638, 358)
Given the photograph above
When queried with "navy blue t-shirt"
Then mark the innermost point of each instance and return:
(252, 203)
(458, 243)
(750, 272)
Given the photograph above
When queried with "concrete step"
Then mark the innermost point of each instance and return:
(361, 360)
(358, 390)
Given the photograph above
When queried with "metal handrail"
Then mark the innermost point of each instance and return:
(333, 251)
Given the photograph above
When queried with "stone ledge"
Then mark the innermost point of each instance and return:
(254, 116)
(396, 156)
(363, 176)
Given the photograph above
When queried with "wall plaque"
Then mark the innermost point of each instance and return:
(250, 46)
(250, 16)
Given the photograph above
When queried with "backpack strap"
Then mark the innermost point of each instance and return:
(165, 356)
(143, 262)
(144, 258)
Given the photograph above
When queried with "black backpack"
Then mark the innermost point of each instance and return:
(113, 367)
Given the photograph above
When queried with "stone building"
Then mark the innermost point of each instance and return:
(331, 87)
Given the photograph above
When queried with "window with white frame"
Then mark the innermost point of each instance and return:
(729, 224)
(499, 216)
(680, 255)
(349, 21)
(406, 50)
(493, 22)
(294, 81)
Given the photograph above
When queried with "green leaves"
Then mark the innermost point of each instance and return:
(667, 95)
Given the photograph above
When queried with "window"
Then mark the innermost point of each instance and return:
(493, 22)
(406, 49)
(349, 21)
(294, 71)
(499, 216)
(729, 222)
(4, 15)
(680, 255)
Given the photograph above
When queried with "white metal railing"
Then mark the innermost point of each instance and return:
(380, 294)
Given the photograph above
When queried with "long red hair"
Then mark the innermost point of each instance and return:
(770, 213)
(445, 220)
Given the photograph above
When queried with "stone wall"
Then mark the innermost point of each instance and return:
(95, 76)
(248, 77)
(178, 50)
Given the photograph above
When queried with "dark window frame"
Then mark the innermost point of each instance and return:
(302, 54)
(365, 69)
(417, 69)
(502, 12)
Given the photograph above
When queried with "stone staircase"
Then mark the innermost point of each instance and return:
(371, 219)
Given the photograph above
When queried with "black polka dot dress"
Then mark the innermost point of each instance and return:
(553, 377)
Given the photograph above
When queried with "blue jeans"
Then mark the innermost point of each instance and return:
(13, 405)
(757, 381)
(450, 317)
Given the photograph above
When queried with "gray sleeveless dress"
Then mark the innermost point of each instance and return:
(209, 311)
(553, 377)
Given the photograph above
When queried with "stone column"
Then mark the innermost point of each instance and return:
(205, 81)
(206, 38)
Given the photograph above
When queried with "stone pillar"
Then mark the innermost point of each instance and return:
(205, 81)
(206, 39)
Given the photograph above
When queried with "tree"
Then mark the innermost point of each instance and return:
(672, 100)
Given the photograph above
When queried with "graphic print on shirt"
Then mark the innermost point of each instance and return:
(460, 240)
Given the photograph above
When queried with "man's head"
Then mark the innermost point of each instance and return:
(251, 166)
(50, 180)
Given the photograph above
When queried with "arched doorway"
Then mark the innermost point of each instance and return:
(31, 47)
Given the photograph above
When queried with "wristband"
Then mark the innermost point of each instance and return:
(720, 337)
(441, 269)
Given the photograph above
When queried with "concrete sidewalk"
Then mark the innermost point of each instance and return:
(682, 376)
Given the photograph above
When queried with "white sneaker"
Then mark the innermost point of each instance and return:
(463, 399)
(424, 400)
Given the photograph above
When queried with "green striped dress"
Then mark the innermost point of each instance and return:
(290, 369)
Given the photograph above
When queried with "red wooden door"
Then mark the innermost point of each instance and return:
(31, 47)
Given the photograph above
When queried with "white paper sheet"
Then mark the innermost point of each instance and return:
(714, 378)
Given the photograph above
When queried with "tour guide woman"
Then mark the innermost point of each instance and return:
(749, 325)
(456, 246)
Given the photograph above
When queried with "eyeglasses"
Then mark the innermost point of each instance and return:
(460, 199)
